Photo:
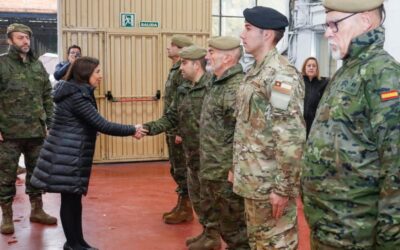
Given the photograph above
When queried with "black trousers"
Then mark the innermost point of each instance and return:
(71, 219)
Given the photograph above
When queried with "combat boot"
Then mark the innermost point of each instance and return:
(209, 241)
(37, 213)
(192, 239)
(7, 224)
(182, 213)
(174, 208)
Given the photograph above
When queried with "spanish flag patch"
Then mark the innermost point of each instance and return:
(389, 95)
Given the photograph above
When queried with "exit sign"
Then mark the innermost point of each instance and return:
(127, 20)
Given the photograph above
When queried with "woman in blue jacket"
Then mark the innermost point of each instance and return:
(65, 161)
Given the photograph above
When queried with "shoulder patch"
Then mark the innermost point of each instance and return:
(389, 95)
(282, 87)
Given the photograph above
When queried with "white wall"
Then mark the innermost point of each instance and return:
(392, 44)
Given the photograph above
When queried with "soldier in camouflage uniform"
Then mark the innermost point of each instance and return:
(223, 209)
(351, 163)
(184, 113)
(26, 108)
(174, 141)
(270, 134)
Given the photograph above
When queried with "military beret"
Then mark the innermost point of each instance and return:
(224, 42)
(181, 41)
(18, 27)
(193, 52)
(265, 18)
(351, 6)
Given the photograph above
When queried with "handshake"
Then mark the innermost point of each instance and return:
(140, 131)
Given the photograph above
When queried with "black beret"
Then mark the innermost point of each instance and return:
(265, 18)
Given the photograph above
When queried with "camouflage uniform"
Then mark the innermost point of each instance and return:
(223, 209)
(175, 151)
(26, 107)
(184, 114)
(350, 177)
(269, 138)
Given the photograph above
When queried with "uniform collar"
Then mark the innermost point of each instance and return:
(14, 54)
(363, 44)
(228, 73)
(176, 65)
(257, 68)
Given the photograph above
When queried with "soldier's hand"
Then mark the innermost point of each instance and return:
(278, 204)
(1, 137)
(140, 131)
(178, 139)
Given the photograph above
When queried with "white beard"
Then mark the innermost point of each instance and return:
(209, 69)
(335, 53)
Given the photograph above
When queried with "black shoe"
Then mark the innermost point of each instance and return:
(67, 247)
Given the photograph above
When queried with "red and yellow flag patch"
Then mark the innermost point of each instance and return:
(389, 95)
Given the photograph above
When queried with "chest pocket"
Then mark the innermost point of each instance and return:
(347, 100)
(249, 93)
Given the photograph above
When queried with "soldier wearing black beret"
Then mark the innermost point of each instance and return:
(269, 134)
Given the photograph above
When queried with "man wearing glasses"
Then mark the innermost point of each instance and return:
(351, 163)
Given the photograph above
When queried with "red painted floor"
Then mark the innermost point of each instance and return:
(122, 211)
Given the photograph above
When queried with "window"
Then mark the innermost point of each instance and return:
(227, 15)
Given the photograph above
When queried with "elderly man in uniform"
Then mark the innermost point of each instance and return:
(223, 210)
(183, 210)
(26, 108)
(184, 113)
(270, 134)
(351, 163)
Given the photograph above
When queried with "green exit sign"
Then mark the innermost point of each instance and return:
(128, 20)
(149, 24)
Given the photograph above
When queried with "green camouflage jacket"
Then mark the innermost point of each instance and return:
(351, 163)
(217, 125)
(26, 105)
(174, 80)
(270, 130)
(184, 113)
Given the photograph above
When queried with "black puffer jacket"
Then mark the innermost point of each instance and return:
(65, 161)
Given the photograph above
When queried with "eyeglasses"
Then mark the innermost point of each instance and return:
(333, 25)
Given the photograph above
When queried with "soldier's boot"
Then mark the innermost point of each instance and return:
(192, 239)
(174, 208)
(209, 241)
(182, 213)
(37, 213)
(7, 224)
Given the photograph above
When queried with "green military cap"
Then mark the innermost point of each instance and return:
(224, 42)
(181, 41)
(18, 27)
(351, 6)
(193, 52)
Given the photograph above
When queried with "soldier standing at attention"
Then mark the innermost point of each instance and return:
(184, 113)
(223, 210)
(182, 211)
(26, 108)
(351, 163)
(270, 134)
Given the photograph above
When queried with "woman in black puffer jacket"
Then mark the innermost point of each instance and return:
(65, 161)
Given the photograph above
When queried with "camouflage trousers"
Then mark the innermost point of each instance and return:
(224, 212)
(10, 151)
(266, 232)
(193, 182)
(178, 165)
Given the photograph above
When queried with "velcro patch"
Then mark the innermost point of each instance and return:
(389, 95)
(282, 88)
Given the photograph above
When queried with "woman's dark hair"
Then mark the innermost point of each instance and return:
(73, 47)
(82, 69)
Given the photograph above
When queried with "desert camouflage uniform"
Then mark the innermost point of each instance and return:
(269, 139)
(351, 163)
(184, 114)
(175, 151)
(26, 107)
(223, 209)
